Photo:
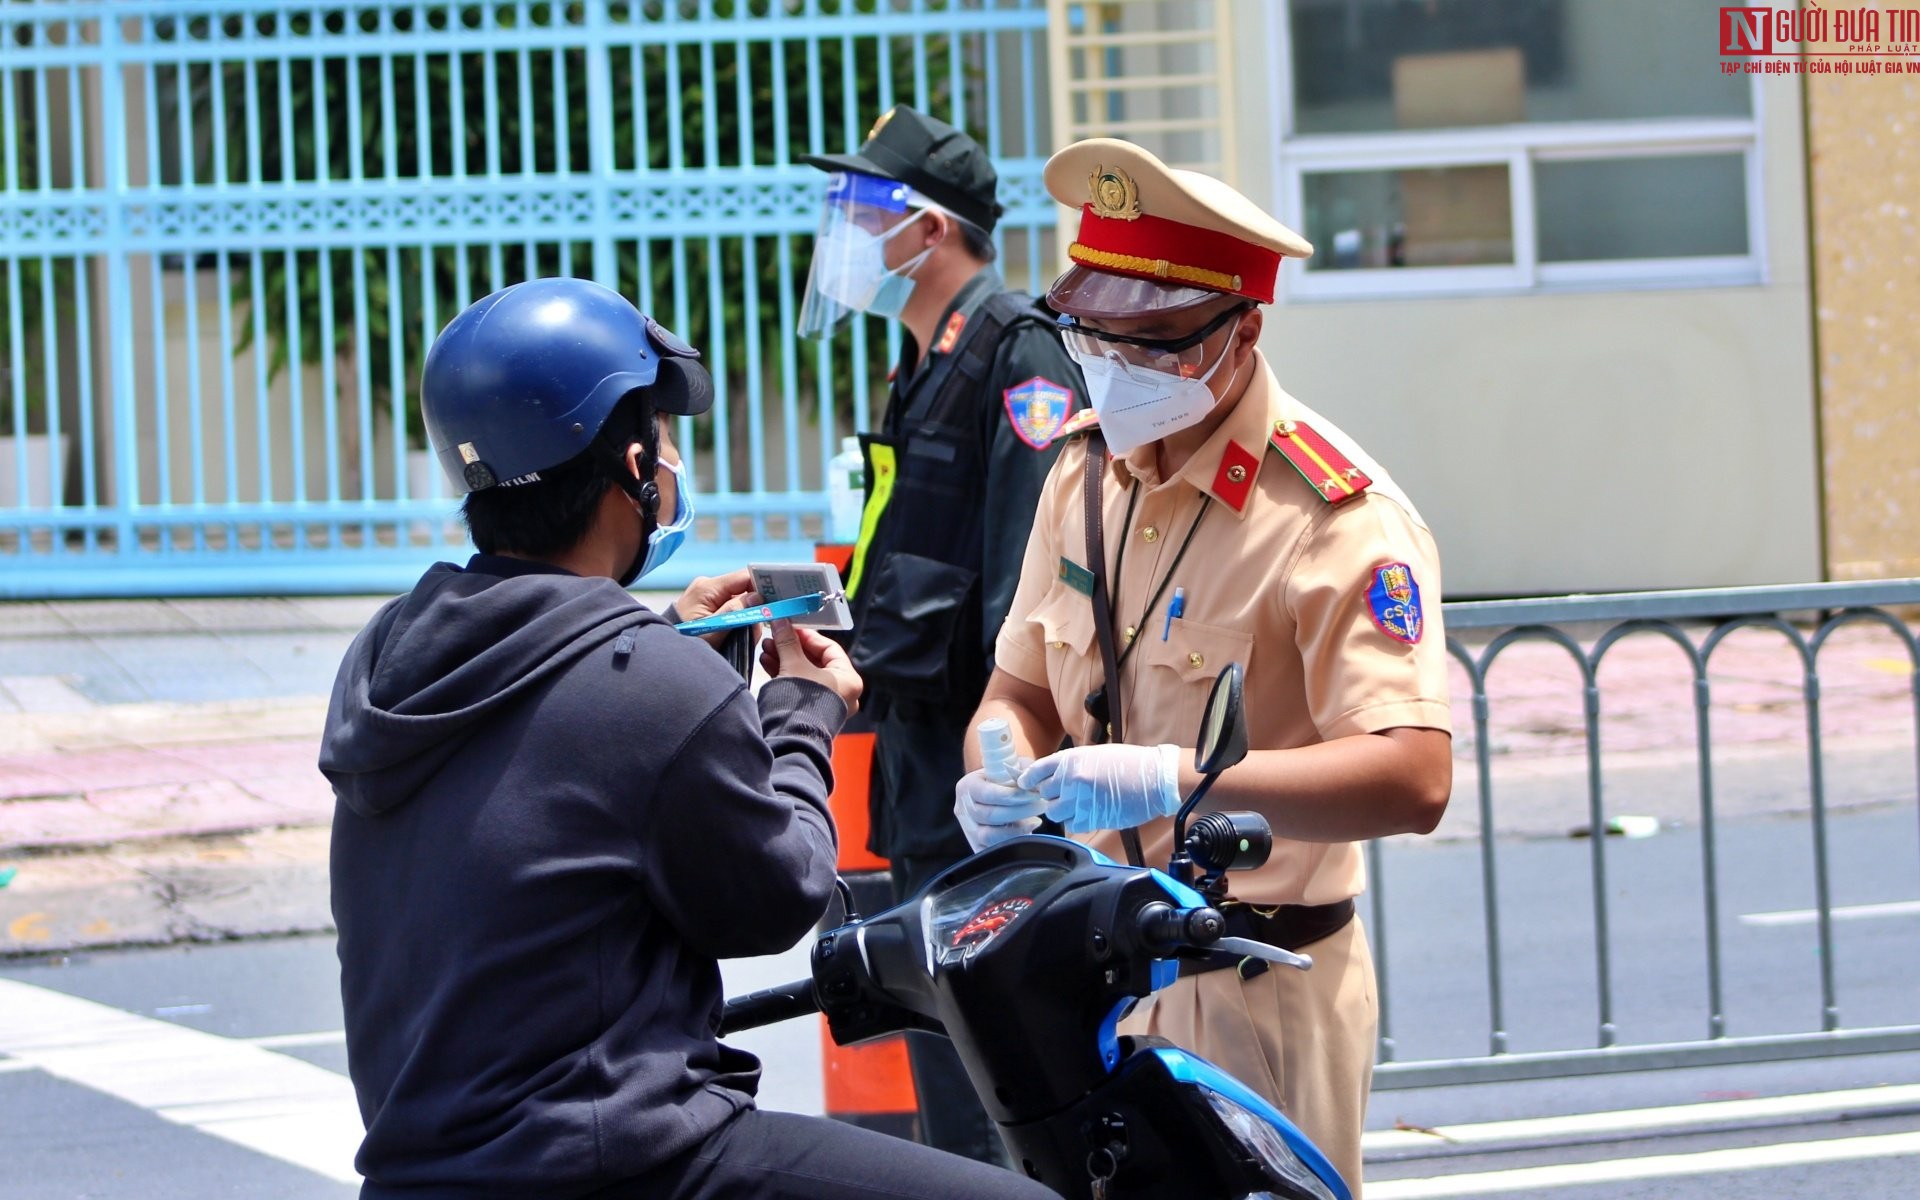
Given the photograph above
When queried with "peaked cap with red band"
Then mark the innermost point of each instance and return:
(1156, 239)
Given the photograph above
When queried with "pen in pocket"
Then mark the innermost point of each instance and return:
(1175, 607)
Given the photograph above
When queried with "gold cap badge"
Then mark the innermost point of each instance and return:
(1114, 194)
(879, 124)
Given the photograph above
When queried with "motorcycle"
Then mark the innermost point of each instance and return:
(1028, 954)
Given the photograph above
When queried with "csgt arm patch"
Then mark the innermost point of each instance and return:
(1394, 599)
(1038, 408)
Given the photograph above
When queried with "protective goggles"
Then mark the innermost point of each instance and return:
(1179, 356)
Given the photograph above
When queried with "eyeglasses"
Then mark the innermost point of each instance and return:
(1172, 356)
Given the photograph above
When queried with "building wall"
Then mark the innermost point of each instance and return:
(1589, 441)
(1864, 136)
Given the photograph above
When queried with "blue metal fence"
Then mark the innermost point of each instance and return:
(228, 228)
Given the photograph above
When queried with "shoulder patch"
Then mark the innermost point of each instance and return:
(1079, 422)
(950, 337)
(1393, 597)
(1038, 410)
(1325, 469)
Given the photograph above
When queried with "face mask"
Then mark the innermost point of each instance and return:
(665, 539)
(851, 268)
(1138, 405)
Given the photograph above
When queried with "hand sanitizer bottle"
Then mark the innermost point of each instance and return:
(996, 751)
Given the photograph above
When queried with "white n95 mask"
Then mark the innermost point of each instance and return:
(1138, 405)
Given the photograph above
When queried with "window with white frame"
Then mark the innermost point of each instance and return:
(1465, 145)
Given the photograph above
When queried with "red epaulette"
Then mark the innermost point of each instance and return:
(951, 337)
(1079, 422)
(1324, 468)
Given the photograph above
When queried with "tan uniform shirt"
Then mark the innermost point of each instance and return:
(1279, 586)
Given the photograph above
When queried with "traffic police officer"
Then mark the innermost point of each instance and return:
(1243, 527)
(981, 389)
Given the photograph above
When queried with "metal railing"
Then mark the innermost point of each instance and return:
(228, 228)
(1698, 623)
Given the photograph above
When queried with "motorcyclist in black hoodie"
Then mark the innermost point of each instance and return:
(555, 813)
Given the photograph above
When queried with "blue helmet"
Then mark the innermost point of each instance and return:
(521, 380)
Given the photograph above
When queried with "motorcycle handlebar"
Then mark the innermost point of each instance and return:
(768, 1006)
(1164, 928)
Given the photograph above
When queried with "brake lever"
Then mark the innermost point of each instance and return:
(1248, 948)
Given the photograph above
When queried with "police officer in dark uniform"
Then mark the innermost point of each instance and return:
(953, 478)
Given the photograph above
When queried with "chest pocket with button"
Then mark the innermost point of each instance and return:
(1065, 617)
(1177, 675)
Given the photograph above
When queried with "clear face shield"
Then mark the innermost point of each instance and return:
(849, 273)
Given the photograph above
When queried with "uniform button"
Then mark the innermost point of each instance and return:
(1236, 474)
(1058, 645)
(1129, 634)
(1150, 533)
(1284, 428)
(1197, 659)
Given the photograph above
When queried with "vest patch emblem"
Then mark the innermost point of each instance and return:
(950, 337)
(1038, 409)
(1394, 599)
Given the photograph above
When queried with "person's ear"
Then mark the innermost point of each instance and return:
(1247, 336)
(644, 492)
(939, 226)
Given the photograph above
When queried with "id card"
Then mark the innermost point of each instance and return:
(785, 581)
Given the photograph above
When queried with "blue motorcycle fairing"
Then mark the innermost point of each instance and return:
(1188, 1069)
(1110, 1032)
(1182, 895)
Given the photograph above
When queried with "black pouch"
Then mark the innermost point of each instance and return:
(919, 638)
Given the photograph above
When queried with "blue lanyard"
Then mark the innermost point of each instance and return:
(795, 606)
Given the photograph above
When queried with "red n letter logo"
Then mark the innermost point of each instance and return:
(1746, 31)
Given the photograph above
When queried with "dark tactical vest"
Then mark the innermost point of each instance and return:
(915, 581)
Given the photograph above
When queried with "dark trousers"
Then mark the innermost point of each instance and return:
(776, 1156)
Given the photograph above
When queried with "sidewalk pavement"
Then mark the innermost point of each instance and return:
(157, 777)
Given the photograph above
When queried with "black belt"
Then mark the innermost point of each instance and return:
(1289, 926)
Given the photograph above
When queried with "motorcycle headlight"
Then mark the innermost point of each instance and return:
(1272, 1147)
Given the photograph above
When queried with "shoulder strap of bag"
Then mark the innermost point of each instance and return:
(1108, 718)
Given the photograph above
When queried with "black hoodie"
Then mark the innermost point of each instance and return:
(554, 813)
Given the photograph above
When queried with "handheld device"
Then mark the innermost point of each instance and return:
(777, 582)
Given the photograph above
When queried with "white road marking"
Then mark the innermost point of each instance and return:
(1706, 1162)
(1716, 1112)
(1844, 912)
(248, 1095)
(282, 1041)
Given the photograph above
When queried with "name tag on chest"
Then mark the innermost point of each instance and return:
(1076, 576)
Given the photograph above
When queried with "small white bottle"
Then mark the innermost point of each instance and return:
(997, 758)
(846, 492)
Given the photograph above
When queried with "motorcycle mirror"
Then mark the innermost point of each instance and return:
(1223, 727)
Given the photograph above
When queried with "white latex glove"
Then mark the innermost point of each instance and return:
(1107, 787)
(990, 813)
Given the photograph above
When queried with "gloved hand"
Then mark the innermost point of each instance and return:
(1107, 787)
(989, 813)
